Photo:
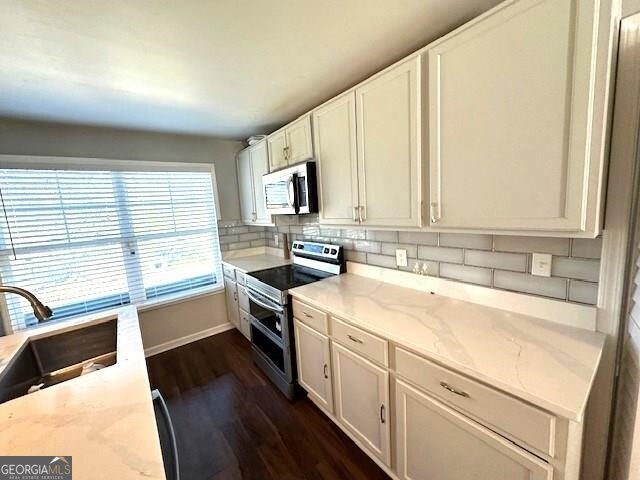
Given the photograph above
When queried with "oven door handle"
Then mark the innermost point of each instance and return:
(272, 308)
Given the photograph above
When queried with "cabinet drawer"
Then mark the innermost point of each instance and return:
(229, 271)
(368, 345)
(313, 317)
(534, 427)
(243, 298)
(241, 278)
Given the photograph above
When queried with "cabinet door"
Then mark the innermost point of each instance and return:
(362, 400)
(436, 442)
(232, 301)
(389, 147)
(299, 140)
(510, 100)
(314, 366)
(245, 187)
(259, 167)
(245, 324)
(334, 134)
(277, 142)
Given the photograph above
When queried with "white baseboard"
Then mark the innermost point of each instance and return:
(178, 342)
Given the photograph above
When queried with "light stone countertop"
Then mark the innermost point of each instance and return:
(547, 364)
(253, 263)
(105, 420)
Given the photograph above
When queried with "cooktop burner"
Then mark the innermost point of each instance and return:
(289, 276)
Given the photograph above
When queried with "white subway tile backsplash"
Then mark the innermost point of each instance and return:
(381, 260)
(353, 256)
(439, 254)
(499, 261)
(578, 268)
(504, 261)
(583, 292)
(586, 247)
(390, 249)
(522, 282)
(382, 236)
(466, 240)
(509, 243)
(463, 273)
(366, 246)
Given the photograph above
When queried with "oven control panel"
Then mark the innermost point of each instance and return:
(318, 250)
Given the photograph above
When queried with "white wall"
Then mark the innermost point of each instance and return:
(167, 323)
(20, 137)
(630, 7)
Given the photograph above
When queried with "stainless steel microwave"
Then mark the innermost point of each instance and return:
(292, 190)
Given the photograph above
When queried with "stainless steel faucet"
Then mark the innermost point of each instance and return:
(40, 310)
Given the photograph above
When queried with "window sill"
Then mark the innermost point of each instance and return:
(178, 298)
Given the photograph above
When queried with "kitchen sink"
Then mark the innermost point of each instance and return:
(47, 361)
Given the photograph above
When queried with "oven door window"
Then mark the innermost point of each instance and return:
(268, 347)
(268, 318)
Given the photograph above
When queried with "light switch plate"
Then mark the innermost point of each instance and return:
(401, 257)
(541, 264)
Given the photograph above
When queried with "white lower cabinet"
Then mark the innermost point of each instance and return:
(436, 442)
(362, 400)
(314, 364)
(231, 295)
(245, 324)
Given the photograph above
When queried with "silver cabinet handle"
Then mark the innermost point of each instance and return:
(435, 215)
(354, 339)
(360, 214)
(449, 388)
(355, 214)
(326, 371)
(383, 415)
(235, 297)
(363, 214)
(307, 315)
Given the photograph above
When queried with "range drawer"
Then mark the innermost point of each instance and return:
(313, 317)
(243, 298)
(229, 271)
(368, 345)
(534, 427)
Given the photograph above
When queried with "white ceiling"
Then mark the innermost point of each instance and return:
(228, 68)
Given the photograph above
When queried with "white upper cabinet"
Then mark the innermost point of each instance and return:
(252, 165)
(291, 144)
(388, 119)
(277, 150)
(334, 135)
(517, 114)
(245, 187)
(259, 167)
(299, 145)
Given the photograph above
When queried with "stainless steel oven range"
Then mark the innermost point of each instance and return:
(270, 308)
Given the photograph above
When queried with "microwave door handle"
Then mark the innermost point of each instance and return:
(272, 308)
(291, 192)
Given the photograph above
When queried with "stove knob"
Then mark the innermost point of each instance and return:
(326, 250)
(333, 251)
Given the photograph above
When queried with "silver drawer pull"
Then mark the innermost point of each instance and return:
(449, 388)
(307, 315)
(326, 371)
(383, 414)
(354, 339)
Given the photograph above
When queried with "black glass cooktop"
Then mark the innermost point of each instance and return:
(289, 276)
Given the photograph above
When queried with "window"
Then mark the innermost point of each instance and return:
(83, 241)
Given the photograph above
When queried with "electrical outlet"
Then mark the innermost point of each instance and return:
(401, 257)
(541, 264)
(276, 239)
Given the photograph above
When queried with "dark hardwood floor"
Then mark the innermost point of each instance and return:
(232, 423)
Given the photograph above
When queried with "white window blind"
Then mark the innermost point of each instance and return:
(83, 241)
